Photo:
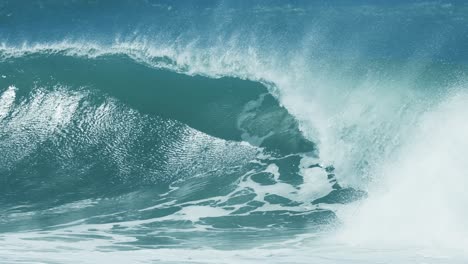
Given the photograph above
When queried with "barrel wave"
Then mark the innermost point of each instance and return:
(149, 148)
(233, 132)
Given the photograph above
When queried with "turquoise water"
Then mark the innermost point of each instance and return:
(233, 132)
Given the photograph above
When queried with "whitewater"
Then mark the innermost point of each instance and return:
(233, 132)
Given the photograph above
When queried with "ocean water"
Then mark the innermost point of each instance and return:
(233, 131)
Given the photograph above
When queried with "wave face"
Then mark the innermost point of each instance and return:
(233, 131)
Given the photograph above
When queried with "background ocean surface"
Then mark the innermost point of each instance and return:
(233, 131)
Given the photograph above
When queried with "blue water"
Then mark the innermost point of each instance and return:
(233, 131)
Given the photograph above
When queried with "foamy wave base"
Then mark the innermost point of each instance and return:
(15, 250)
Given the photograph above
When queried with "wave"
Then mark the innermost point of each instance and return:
(326, 98)
(311, 127)
(84, 134)
(139, 105)
(217, 107)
